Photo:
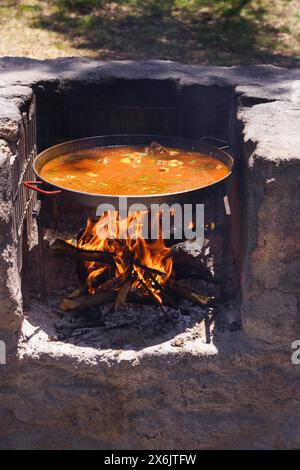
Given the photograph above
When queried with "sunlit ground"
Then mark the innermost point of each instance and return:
(223, 32)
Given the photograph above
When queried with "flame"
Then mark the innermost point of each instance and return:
(146, 264)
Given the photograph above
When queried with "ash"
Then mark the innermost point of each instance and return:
(134, 326)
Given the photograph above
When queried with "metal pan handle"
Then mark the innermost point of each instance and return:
(216, 142)
(30, 185)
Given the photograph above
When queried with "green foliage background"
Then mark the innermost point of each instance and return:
(193, 31)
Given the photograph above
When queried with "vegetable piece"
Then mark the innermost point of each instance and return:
(143, 178)
(175, 162)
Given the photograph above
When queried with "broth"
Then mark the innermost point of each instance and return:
(132, 170)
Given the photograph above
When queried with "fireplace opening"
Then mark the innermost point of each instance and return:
(142, 293)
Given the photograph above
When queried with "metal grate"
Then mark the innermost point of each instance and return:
(22, 169)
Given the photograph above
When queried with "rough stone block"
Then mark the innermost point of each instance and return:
(272, 211)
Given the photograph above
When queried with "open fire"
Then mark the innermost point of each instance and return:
(136, 262)
(113, 268)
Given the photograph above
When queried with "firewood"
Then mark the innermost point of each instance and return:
(156, 297)
(112, 283)
(187, 293)
(166, 299)
(77, 292)
(64, 248)
(150, 270)
(85, 301)
(100, 298)
(122, 295)
(135, 296)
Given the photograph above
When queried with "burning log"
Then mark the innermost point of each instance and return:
(166, 299)
(157, 299)
(181, 260)
(128, 270)
(65, 248)
(150, 270)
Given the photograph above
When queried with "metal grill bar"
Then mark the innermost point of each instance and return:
(22, 169)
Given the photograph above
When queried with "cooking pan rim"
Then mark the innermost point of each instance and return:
(133, 196)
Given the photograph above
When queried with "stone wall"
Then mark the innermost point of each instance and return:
(240, 391)
(15, 105)
(271, 273)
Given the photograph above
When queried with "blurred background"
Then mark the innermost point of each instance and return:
(220, 32)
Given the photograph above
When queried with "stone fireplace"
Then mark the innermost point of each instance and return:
(164, 386)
